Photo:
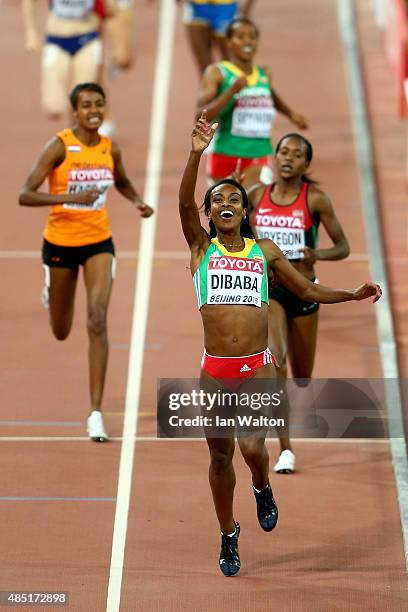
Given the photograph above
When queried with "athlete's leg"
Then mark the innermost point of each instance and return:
(55, 69)
(200, 39)
(120, 34)
(86, 62)
(278, 342)
(98, 283)
(220, 42)
(221, 471)
(302, 335)
(256, 456)
(62, 285)
(252, 446)
(222, 480)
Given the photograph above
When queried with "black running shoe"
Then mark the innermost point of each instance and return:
(266, 508)
(229, 557)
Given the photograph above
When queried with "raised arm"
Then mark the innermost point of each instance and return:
(125, 186)
(320, 204)
(194, 233)
(52, 156)
(207, 95)
(288, 276)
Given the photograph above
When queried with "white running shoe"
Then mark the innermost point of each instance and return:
(95, 427)
(286, 463)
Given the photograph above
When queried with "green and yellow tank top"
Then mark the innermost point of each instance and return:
(232, 278)
(246, 121)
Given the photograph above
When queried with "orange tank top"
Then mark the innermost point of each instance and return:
(83, 168)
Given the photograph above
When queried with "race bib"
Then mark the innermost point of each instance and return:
(290, 241)
(234, 280)
(72, 9)
(86, 180)
(252, 117)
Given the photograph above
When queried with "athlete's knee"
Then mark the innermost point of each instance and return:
(221, 459)
(252, 451)
(97, 323)
(302, 374)
(301, 379)
(53, 108)
(60, 331)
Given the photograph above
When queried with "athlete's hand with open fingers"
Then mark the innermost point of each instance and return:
(88, 197)
(367, 290)
(203, 133)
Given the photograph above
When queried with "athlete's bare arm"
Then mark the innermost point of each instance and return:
(320, 203)
(52, 156)
(125, 186)
(32, 41)
(196, 236)
(306, 290)
(246, 7)
(207, 94)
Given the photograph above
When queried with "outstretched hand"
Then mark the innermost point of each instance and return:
(202, 133)
(367, 290)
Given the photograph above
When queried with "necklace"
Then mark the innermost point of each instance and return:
(242, 243)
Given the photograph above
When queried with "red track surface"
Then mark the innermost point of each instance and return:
(338, 545)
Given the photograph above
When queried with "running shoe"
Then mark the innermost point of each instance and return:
(266, 508)
(286, 463)
(95, 427)
(229, 556)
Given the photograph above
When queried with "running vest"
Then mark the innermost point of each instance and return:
(83, 168)
(232, 278)
(246, 121)
(72, 9)
(291, 227)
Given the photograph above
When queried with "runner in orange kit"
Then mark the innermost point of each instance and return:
(81, 166)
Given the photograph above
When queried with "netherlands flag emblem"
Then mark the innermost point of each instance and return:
(74, 148)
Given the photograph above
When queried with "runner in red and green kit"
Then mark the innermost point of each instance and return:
(239, 95)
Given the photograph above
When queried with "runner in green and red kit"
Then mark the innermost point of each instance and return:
(239, 95)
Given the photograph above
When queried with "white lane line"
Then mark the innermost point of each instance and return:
(173, 440)
(171, 255)
(369, 197)
(144, 270)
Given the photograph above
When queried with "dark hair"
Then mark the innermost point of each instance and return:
(238, 20)
(84, 87)
(245, 229)
(308, 151)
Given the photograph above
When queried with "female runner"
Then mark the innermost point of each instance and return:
(239, 95)
(235, 332)
(81, 166)
(289, 212)
(72, 49)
